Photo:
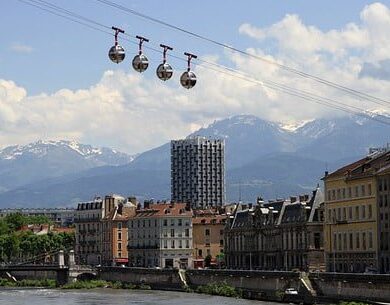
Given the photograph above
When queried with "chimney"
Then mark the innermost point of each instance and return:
(133, 200)
(306, 196)
(301, 198)
(146, 204)
(188, 206)
(138, 206)
(293, 199)
(326, 173)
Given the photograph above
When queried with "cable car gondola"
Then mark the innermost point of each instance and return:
(188, 78)
(140, 62)
(117, 52)
(164, 70)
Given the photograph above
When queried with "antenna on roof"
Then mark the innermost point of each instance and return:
(239, 191)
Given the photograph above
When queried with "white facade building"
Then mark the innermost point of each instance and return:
(160, 235)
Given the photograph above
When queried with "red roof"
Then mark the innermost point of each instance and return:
(164, 210)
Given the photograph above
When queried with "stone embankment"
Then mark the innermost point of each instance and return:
(263, 285)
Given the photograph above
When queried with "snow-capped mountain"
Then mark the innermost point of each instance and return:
(40, 149)
(263, 157)
(22, 164)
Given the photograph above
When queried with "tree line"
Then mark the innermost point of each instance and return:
(18, 245)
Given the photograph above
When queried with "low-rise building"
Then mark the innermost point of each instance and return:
(277, 235)
(118, 210)
(160, 235)
(208, 237)
(63, 217)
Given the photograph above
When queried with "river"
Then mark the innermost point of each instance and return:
(113, 297)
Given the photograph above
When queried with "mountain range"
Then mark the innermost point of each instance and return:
(262, 159)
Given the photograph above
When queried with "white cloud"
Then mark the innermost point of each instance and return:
(130, 112)
(21, 48)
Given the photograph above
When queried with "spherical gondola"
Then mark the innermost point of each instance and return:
(117, 54)
(140, 62)
(164, 71)
(188, 79)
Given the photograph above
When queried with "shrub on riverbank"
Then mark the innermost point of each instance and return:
(221, 289)
(28, 283)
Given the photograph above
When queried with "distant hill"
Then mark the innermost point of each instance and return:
(262, 159)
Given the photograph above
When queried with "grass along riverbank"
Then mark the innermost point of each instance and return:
(28, 283)
(103, 284)
(220, 289)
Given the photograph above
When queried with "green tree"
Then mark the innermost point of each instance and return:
(207, 260)
(15, 221)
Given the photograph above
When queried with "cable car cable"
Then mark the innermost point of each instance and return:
(348, 90)
(238, 74)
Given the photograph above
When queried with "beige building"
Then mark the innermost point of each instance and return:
(160, 235)
(208, 237)
(357, 216)
(118, 211)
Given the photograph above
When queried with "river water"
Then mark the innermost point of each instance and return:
(113, 297)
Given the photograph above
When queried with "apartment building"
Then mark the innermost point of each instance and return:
(118, 211)
(208, 237)
(88, 225)
(198, 172)
(277, 235)
(357, 215)
(160, 235)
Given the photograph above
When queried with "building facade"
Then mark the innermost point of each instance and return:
(88, 225)
(357, 216)
(118, 211)
(62, 217)
(198, 172)
(208, 237)
(160, 235)
(277, 235)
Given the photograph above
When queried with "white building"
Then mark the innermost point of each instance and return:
(160, 235)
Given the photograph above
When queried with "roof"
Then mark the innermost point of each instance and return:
(209, 220)
(364, 167)
(164, 210)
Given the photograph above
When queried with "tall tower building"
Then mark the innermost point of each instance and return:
(198, 172)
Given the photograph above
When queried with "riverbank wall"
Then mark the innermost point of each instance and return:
(263, 285)
(163, 279)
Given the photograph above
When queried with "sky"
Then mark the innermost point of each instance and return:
(56, 81)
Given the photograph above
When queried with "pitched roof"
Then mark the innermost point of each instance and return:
(164, 210)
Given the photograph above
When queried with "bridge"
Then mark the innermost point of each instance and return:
(59, 271)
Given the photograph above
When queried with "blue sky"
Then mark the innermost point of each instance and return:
(68, 55)
(56, 81)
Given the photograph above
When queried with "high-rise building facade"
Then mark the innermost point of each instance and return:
(198, 172)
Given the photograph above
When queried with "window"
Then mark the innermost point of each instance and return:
(187, 232)
(357, 213)
(119, 246)
(350, 213)
(356, 191)
(200, 252)
(187, 243)
(119, 254)
(221, 242)
(369, 211)
(180, 222)
(165, 244)
(350, 241)
(364, 241)
(165, 223)
(119, 226)
(207, 232)
(349, 192)
(357, 240)
(369, 190)
(172, 222)
(370, 240)
(172, 232)
(180, 244)
(172, 244)
(363, 212)
(343, 193)
(363, 190)
(119, 235)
